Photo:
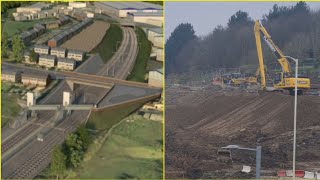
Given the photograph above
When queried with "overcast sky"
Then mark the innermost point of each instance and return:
(204, 16)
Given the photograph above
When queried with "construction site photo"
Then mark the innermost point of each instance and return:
(242, 90)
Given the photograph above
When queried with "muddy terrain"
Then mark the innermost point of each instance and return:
(200, 121)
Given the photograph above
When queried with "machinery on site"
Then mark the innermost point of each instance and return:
(283, 80)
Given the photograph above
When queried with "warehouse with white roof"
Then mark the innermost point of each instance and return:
(121, 9)
(153, 18)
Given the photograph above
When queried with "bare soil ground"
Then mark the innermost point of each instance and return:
(89, 38)
(199, 122)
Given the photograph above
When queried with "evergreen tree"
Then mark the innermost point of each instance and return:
(18, 48)
(58, 164)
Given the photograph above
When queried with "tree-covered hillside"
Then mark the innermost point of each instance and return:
(295, 29)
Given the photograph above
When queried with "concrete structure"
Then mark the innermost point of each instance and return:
(121, 9)
(156, 78)
(66, 64)
(31, 100)
(77, 4)
(159, 54)
(47, 60)
(35, 79)
(76, 55)
(66, 98)
(145, 17)
(34, 8)
(41, 49)
(11, 76)
(59, 52)
(27, 58)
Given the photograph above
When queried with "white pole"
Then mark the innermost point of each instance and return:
(295, 120)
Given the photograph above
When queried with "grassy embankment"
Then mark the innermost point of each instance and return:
(140, 68)
(109, 43)
(10, 107)
(133, 150)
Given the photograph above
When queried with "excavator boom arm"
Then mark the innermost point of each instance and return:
(260, 30)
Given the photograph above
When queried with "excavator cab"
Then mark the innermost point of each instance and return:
(278, 79)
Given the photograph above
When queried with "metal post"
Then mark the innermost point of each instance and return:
(258, 162)
(295, 121)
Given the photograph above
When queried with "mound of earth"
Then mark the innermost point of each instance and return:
(200, 122)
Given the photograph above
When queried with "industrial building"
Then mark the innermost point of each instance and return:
(64, 36)
(121, 9)
(33, 8)
(77, 4)
(146, 17)
(156, 78)
(66, 64)
(59, 52)
(76, 55)
(39, 79)
(155, 35)
(11, 76)
(47, 60)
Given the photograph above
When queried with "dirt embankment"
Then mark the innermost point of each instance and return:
(89, 38)
(199, 122)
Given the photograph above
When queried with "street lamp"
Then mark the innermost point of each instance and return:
(294, 116)
(258, 156)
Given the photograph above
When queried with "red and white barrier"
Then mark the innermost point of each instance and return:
(299, 173)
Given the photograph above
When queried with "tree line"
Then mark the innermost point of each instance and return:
(70, 154)
(295, 29)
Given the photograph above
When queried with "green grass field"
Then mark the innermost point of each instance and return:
(132, 151)
(140, 67)
(10, 108)
(15, 27)
(109, 43)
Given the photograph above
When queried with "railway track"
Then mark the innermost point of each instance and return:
(122, 62)
(35, 156)
(31, 165)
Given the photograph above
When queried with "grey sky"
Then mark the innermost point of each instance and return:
(204, 16)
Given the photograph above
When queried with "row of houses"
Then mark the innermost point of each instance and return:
(50, 61)
(67, 34)
(39, 79)
(40, 29)
(59, 52)
(63, 19)
(37, 10)
(32, 34)
(42, 10)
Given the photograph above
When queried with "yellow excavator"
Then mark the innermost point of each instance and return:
(285, 79)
